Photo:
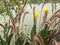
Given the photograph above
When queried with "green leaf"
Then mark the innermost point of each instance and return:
(45, 34)
(9, 28)
(13, 3)
(9, 39)
(2, 9)
(20, 40)
(33, 32)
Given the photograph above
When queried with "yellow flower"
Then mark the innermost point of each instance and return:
(37, 15)
(5, 22)
(22, 5)
(21, 2)
(45, 10)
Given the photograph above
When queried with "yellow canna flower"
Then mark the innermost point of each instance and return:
(37, 15)
(45, 10)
